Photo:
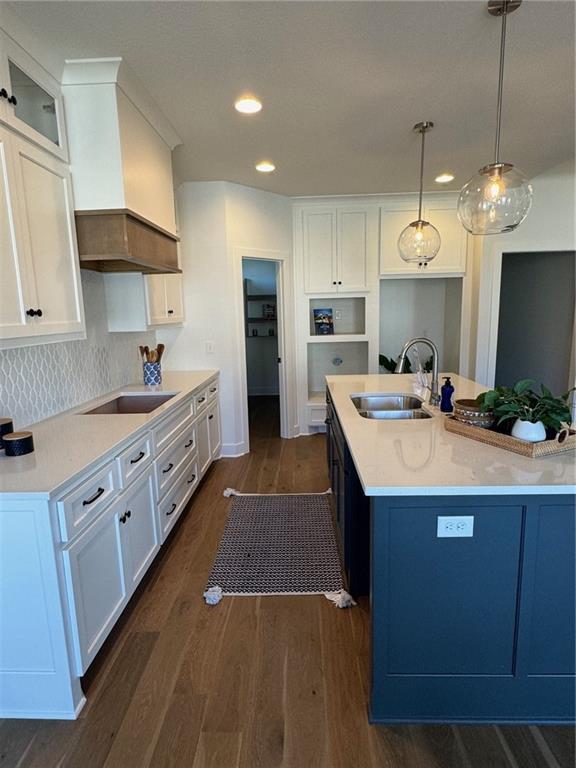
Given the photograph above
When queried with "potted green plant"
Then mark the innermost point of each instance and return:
(532, 413)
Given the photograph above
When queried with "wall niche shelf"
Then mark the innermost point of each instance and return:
(264, 325)
(348, 316)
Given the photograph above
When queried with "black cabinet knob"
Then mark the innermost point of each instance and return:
(122, 519)
(339, 282)
(333, 282)
(170, 311)
(13, 100)
(3, 93)
(128, 513)
(31, 312)
(38, 313)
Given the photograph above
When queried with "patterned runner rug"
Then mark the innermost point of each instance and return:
(278, 544)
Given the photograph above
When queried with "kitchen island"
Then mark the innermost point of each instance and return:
(467, 552)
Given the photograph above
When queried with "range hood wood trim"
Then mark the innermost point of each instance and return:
(120, 240)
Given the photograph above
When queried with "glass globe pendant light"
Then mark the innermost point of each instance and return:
(420, 241)
(499, 197)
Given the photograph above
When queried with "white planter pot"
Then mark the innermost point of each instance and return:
(532, 433)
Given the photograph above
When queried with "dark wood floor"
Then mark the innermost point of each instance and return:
(254, 682)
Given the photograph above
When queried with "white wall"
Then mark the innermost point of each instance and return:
(550, 226)
(427, 307)
(219, 220)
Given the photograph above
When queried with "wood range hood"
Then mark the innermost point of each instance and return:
(119, 240)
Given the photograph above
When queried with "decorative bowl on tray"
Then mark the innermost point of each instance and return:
(468, 412)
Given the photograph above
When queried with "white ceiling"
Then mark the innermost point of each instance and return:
(342, 84)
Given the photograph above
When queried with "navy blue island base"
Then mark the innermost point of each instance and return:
(478, 629)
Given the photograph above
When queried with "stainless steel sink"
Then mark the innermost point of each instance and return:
(389, 406)
(132, 403)
(386, 402)
(417, 413)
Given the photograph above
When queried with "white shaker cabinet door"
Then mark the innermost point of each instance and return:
(214, 431)
(49, 239)
(451, 258)
(139, 530)
(319, 246)
(352, 249)
(203, 439)
(15, 297)
(156, 299)
(393, 219)
(96, 585)
(174, 298)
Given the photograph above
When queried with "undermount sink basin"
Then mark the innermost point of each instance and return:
(389, 406)
(417, 413)
(131, 403)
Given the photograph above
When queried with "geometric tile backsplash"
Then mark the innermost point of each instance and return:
(40, 381)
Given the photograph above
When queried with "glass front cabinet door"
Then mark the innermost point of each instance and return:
(30, 99)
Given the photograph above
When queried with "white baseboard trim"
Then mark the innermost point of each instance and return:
(42, 714)
(233, 450)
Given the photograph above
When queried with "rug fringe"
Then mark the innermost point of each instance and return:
(233, 492)
(213, 595)
(341, 599)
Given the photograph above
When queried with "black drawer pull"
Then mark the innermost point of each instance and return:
(192, 479)
(189, 443)
(137, 459)
(172, 510)
(128, 513)
(168, 468)
(211, 416)
(97, 495)
(214, 389)
(13, 100)
(170, 311)
(122, 519)
(201, 400)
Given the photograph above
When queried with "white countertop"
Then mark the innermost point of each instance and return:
(65, 444)
(421, 458)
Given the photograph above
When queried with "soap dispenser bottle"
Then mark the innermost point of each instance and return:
(446, 392)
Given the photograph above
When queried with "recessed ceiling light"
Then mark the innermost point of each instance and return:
(248, 105)
(444, 178)
(265, 166)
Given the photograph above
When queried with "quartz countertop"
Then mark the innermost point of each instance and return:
(420, 457)
(65, 444)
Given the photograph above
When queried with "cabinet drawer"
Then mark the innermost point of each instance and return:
(170, 463)
(171, 508)
(80, 506)
(213, 390)
(201, 400)
(168, 429)
(135, 459)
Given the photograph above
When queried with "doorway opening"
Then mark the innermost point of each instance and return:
(263, 332)
(536, 319)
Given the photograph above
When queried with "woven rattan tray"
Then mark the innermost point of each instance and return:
(509, 443)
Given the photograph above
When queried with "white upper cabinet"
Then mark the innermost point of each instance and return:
(335, 248)
(41, 290)
(30, 99)
(319, 237)
(450, 260)
(136, 302)
(120, 143)
(14, 293)
(165, 303)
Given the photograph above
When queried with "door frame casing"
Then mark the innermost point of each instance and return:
(286, 382)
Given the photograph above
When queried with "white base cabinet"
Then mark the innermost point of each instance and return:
(94, 566)
(75, 560)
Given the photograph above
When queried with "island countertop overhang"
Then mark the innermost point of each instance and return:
(421, 458)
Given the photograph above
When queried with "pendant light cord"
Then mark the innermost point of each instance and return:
(500, 84)
(423, 132)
